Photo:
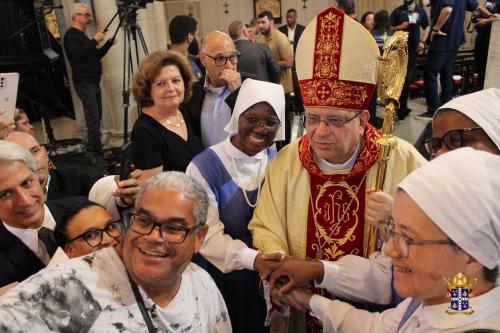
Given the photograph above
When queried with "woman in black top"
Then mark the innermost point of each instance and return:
(162, 138)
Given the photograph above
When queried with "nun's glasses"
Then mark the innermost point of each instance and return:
(453, 139)
(268, 124)
(402, 243)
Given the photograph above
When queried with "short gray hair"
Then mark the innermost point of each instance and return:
(12, 152)
(179, 182)
(235, 29)
(77, 8)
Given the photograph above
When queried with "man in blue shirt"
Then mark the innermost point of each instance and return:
(410, 17)
(482, 44)
(446, 37)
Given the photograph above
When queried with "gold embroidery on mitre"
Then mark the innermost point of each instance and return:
(327, 92)
(326, 89)
(337, 212)
(328, 47)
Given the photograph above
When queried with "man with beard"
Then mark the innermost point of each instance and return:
(183, 31)
(282, 52)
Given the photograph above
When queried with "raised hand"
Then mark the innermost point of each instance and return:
(378, 207)
(232, 78)
(128, 188)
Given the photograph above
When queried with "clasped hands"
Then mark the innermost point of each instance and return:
(289, 278)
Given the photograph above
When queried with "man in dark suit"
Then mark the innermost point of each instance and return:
(56, 183)
(293, 31)
(24, 247)
(254, 58)
(207, 109)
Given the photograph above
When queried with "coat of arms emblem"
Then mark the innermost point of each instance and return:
(460, 291)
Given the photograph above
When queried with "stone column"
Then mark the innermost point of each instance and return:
(492, 79)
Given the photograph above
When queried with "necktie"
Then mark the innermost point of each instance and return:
(47, 237)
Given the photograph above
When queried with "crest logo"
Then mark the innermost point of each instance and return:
(460, 291)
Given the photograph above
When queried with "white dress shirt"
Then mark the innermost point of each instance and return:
(291, 33)
(29, 237)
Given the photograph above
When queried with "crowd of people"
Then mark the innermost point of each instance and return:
(226, 224)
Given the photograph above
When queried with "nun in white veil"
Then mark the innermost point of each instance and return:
(232, 173)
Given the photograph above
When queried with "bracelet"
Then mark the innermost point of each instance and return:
(422, 41)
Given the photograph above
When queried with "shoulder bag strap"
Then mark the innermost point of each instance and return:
(142, 307)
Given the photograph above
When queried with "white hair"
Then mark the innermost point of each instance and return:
(179, 182)
(77, 8)
(12, 152)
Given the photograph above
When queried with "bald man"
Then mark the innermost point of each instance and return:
(56, 183)
(207, 106)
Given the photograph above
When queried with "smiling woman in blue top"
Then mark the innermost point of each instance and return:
(232, 173)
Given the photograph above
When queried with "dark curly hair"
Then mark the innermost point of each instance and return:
(149, 69)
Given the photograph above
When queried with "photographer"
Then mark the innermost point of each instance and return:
(482, 43)
(84, 58)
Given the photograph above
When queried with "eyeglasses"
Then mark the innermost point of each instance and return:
(313, 121)
(453, 139)
(268, 124)
(402, 243)
(221, 60)
(94, 236)
(169, 231)
(84, 14)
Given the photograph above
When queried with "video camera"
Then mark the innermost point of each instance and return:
(133, 3)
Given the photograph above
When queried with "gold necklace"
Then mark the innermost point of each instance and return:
(320, 232)
(240, 184)
(178, 125)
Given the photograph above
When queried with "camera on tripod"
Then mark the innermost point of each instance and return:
(133, 3)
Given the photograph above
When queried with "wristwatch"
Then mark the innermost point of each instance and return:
(436, 30)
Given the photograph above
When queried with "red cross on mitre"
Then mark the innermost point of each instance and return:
(325, 87)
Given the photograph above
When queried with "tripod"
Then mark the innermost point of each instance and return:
(132, 37)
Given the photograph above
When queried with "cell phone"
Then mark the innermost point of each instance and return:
(8, 94)
(126, 165)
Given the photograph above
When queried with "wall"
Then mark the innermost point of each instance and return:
(493, 66)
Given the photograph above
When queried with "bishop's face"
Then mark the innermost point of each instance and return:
(331, 143)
